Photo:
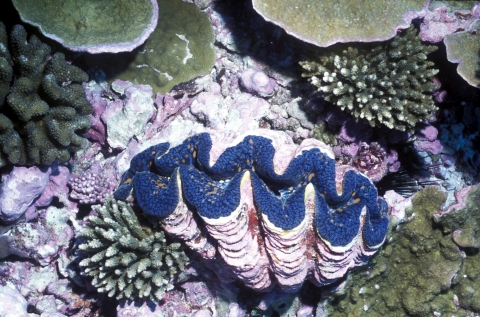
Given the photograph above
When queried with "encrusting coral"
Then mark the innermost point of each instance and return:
(179, 49)
(326, 22)
(43, 109)
(126, 259)
(387, 85)
(92, 26)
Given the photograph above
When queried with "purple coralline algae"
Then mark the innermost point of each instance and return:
(13, 303)
(310, 241)
(371, 160)
(439, 23)
(91, 186)
(257, 82)
(19, 189)
(127, 118)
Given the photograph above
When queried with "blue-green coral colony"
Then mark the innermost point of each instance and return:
(159, 193)
(388, 85)
(43, 109)
(126, 259)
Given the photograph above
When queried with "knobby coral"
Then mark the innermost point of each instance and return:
(387, 85)
(272, 206)
(126, 259)
(43, 109)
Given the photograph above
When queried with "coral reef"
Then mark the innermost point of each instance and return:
(125, 259)
(261, 178)
(20, 189)
(387, 85)
(180, 48)
(44, 112)
(25, 189)
(128, 116)
(324, 23)
(43, 240)
(99, 27)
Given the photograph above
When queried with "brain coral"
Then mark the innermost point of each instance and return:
(126, 259)
(277, 213)
(43, 109)
(388, 84)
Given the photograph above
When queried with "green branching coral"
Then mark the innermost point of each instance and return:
(387, 85)
(125, 259)
(43, 109)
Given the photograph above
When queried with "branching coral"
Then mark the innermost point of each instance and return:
(125, 259)
(43, 109)
(387, 85)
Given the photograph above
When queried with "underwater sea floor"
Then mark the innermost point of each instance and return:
(428, 266)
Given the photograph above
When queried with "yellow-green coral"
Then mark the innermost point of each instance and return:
(180, 48)
(464, 48)
(388, 84)
(94, 26)
(325, 22)
(126, 259)
(421, 271)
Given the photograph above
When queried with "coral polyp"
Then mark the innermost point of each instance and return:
(279, 213)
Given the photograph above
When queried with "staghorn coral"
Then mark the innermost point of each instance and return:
(387, 85)
(125, 259)
(43, 109)
(270, 210)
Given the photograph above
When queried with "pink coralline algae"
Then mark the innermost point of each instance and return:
(13, 303)
(257, 82)
(439, 23)
(19, 189)
(326, 221)
(371, 160)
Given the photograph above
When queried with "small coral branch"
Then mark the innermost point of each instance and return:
(387, 85)
(125, 259)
